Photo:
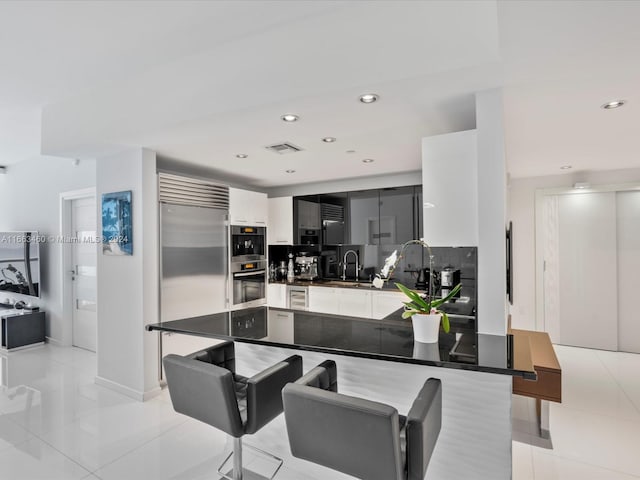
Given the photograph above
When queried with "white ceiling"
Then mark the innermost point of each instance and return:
(202, 81)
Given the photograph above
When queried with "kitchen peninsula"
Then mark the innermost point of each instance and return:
(379, 359)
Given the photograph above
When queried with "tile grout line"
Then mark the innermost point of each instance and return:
(60, 452)
(581, 462)
(618, 383)
(93, 472)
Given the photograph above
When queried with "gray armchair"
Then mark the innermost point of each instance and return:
(204, 386)
(359, 437)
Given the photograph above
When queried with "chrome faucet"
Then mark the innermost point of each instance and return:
(344, 264)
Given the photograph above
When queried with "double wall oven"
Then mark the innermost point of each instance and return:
(248, 267)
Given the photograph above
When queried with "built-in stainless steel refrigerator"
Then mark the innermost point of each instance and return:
(194, 261)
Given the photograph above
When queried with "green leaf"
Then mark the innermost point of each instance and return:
(446, 326)
(452, 293)
(409, 313)
(414, 296)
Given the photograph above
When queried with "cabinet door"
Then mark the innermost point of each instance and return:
(355, 303)
(280, 231)
(397, 216)
(259, 205)
(247, 208)
(324, 300)
(308, 215)
(364, 217)
(277, 295)
(385, 303)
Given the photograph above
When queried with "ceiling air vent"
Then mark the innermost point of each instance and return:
(283, 148)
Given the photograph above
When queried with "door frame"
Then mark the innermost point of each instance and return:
(66, 292)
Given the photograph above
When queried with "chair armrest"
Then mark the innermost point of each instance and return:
(223, 355)
(423, 427)
(324, 376)
(264, 392)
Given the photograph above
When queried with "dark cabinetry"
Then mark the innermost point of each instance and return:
(308, 215)
(22, 328)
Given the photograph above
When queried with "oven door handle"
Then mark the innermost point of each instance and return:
(249, 274)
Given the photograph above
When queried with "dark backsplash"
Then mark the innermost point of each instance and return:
(372, 257)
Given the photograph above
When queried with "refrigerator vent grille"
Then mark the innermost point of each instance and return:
(190, 191)
(332, 212)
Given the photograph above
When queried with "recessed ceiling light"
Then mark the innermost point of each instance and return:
(428, 205)
(581, 185)
(290, 117)
(368, 160)
(614, 104)
(242, 155)
(290, 171)
(329, 139)
(350, 151)
(565, 167)
(369, 98)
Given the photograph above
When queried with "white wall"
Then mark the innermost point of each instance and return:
(521, 211)
(29, 200)
(128, 285)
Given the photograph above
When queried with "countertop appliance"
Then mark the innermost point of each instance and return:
(307, 266)
(297, 297)
(194, 249)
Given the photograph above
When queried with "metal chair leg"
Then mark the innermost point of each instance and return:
(237, 472)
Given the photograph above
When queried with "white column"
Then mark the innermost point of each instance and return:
(128, 285)
(492, 186)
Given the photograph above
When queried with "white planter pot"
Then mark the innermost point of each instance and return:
(425, 327)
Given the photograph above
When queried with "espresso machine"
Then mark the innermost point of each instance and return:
(307, 266)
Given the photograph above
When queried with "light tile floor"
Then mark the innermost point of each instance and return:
(55, 423)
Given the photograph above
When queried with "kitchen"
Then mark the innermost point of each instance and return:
(322, 305)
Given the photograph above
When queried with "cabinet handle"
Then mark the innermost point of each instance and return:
(259, 221)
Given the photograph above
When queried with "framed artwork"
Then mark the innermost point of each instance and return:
(117, 229)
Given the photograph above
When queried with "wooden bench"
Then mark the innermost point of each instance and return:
(548, 386)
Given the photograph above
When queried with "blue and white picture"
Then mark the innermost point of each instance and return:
(117, 230)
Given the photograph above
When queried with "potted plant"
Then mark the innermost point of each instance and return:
(424, 313)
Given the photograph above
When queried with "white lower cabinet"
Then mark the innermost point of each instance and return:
(324, 300)
(385, 303)
(277, 295)
(354, 303)
(350, 302)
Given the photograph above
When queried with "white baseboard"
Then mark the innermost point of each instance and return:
(128, 392)
(54, 341)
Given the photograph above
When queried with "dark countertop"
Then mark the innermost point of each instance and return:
(388, 339)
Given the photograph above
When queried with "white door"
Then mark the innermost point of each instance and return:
(628, 216)
(83, 257)
(587, 276)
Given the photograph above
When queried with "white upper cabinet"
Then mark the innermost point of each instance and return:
(247, 208)
(450, 189)
(280, 229)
